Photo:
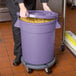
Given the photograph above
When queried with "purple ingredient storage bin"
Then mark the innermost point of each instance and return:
(38, 39)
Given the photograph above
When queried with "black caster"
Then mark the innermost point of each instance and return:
(54, 64)
(29, 70)
(62, 47)
(48, 71)
(72, 7)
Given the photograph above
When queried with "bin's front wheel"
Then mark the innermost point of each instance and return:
(62, 47)
(29, 70)
(48, 71)
(72, 6)
(54, 64)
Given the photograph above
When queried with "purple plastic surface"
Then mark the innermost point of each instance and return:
(41, 14)
(37, 41)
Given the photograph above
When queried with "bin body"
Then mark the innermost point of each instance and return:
(37, 41)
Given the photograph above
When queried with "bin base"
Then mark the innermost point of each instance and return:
(43, 66)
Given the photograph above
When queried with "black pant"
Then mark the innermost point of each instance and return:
(13, 9)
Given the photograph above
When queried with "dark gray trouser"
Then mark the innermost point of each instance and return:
(13, 9)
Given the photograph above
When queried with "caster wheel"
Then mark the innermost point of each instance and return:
(72, 7)
(54, 63)
(62, 47)
(48, 71)
(29, 70)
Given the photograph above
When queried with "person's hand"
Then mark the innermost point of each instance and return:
(46, 7)
(23, 10)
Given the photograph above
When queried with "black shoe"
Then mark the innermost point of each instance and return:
(17, 61)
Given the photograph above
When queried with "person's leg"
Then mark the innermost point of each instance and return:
(16, 36)
(16, 32)
(17, 41)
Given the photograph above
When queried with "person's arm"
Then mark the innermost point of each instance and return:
(45, 5)
(23, 9)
